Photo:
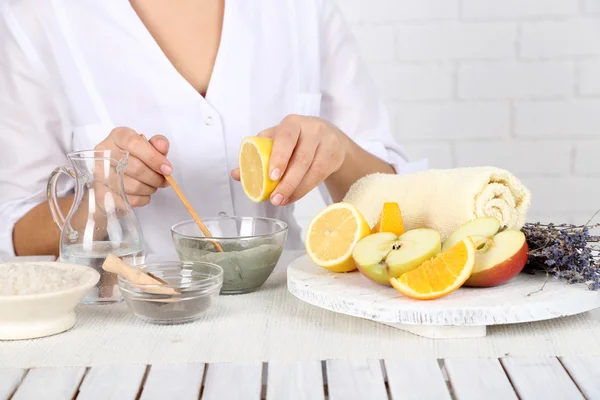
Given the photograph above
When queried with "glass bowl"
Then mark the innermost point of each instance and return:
(190, 290)
(251, 248)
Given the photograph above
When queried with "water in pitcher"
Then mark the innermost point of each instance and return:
(93, 255)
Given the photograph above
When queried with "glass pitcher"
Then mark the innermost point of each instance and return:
(100, 221)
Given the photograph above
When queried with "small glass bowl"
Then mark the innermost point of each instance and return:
(196, 285)
(251, 246)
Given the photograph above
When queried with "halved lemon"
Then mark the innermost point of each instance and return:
(439, 276)
(390, 220)
(332, 235)
(254, 156)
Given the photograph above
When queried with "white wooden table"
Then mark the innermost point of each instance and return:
(573, 377)
(478, 378)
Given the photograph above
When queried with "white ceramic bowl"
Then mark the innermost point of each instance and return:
(36, 315)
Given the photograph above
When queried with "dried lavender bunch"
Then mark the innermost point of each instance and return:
(564, 251)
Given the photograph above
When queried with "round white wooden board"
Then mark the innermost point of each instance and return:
(463, 313)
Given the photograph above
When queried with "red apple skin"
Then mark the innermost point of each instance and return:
(379, 276)
(501, 273)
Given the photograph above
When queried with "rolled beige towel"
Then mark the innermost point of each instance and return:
(444, 199)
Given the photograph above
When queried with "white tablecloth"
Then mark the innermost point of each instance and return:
(272, 325)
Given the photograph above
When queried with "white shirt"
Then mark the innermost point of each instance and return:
(72, 70)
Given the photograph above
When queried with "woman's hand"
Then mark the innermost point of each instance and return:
(146, 166)
(306, 151)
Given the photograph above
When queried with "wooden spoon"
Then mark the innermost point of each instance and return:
(188, 206)
(137, 276)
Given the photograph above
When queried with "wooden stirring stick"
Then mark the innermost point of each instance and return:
(187, 205)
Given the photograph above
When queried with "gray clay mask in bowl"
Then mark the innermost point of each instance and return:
(251, 246)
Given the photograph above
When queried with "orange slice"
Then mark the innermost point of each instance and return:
(254, 156)
(390, 220)
(332, 235)
(439, 276)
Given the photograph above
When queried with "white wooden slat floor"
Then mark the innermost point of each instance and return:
(173, 381)
(232, 381)
(122, 382)
(416, 380)
(479, 378)
(9, 381)
(465, 378)
(295, 381)
(585, 372)
(50, 384)
(349, 380)
(540, 378)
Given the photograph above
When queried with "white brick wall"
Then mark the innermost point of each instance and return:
(514, 9)
(589, 78)
(414, 82)
(510, 83)
(452, 120)
(586, 158)
(568, 38)
(393, 11)
(515, 156)
(454, 40)
(591, 6)
(556, 118)
(514, 79)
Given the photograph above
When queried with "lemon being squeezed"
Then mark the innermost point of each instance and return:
(254, 156)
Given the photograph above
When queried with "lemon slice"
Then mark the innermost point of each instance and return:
(332, 235)
(254, 156)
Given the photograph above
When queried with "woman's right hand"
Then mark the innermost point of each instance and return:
(147, 163)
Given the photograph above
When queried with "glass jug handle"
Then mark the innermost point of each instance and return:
(51, 193)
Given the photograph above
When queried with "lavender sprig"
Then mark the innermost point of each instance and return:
(567, 252)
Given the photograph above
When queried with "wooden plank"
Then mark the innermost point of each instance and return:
(176, 381)
(416, 380)
(112, 382)
(50, 383)
(295, 381)
(584, 370)
(540, 378)
(478, 378)
(233, 381)
(347, 380)
(9, 380)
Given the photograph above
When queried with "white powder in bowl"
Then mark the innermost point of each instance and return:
(25, 279)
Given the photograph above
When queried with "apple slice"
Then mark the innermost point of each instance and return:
(412, 249)
(500, 256)
(499, 259)
(480, 229)
(384, 255)
(370, 253)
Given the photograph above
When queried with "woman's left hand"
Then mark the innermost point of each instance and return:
(306, 151)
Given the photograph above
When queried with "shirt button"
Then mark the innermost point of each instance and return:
(208, 120)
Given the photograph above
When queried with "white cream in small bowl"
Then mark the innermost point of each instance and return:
(39, 298)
